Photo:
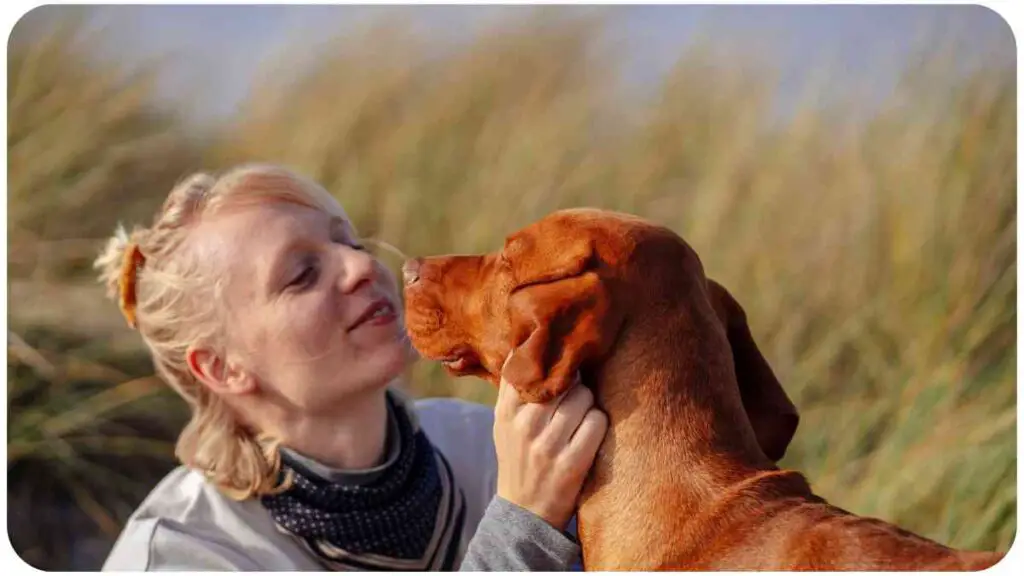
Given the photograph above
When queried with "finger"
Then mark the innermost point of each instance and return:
(533, 418)
(588, 437)
(540, 413)
(508, 401)
(569, 415)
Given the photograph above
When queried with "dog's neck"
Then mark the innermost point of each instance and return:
(678, 443)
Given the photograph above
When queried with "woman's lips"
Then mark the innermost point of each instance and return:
(379, 313)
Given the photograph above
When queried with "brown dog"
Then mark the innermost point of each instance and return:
(686, 477)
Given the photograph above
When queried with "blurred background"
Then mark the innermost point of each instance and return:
(848, 172)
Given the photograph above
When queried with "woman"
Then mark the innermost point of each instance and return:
(263, 311)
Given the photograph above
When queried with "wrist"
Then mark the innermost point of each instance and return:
(554, 518)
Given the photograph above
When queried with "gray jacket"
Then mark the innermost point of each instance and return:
(186, 524)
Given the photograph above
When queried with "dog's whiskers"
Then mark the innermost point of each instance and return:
(390, 248)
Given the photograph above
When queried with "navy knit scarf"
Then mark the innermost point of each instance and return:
(408, 518)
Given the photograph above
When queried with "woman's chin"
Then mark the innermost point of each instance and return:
(380, 365)
(393, 360)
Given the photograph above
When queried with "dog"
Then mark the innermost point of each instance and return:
(687, 476)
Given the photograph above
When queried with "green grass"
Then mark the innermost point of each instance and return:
(876, 256)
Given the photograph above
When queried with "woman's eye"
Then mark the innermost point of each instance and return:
(353, 244)
(305, 278)
(341, 234)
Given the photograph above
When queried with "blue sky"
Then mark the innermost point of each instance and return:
(214, 52)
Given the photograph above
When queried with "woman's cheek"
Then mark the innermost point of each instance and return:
(387, 280)
(302, 323)
(324, 317)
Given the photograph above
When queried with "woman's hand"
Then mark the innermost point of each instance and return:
(545, 450)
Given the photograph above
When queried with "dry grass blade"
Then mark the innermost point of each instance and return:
(22, 352)
(96, 406)
(873, 247)
(386, 246)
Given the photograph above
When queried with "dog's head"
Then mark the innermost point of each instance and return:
(555, 299)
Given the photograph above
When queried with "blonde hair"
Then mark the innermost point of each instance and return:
(168, 295)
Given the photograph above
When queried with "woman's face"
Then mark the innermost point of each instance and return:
(312, 317)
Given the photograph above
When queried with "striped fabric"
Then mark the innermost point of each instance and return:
(410, 518)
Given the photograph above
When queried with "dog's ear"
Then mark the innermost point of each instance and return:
(560, 314)
(770, 411)
(558, 256)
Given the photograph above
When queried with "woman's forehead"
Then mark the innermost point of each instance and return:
(247, 238)
(271, 219)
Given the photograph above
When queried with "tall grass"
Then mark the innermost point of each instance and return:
(876, 258)
(83, 136)
(89, 430)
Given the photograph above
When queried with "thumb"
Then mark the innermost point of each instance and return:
(508, 397)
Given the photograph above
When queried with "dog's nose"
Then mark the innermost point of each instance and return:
(411, 271)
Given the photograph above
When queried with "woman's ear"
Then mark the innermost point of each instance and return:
(220, 376)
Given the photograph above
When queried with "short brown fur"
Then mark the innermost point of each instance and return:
(686, 478)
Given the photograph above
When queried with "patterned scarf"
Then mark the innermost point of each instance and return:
(409, 517)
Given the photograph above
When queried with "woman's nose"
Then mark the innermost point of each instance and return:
(358, 268)
(411, 271)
